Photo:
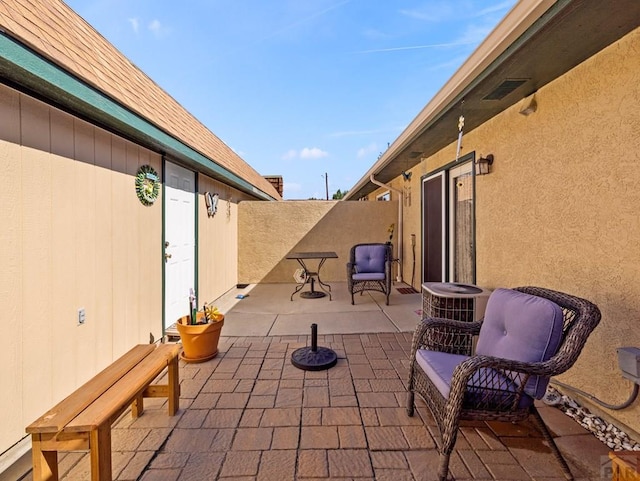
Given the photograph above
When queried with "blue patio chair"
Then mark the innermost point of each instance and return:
(528, 335)
(369, 269)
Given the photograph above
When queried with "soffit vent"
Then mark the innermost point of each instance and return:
(504, 89)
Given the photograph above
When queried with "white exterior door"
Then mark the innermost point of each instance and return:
(180, 241)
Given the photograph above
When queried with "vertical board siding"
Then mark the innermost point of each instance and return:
(74, 236)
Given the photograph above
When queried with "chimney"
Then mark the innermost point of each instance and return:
(276, 182)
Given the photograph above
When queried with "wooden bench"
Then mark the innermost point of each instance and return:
(82, 421)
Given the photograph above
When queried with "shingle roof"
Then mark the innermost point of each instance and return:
(55, 31)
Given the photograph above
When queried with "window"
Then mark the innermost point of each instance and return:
(384, 197)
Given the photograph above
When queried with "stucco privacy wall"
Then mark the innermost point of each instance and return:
(268, 231)
(560, 207)
(73, 236)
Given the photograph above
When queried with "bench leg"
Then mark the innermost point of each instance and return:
(45, 463)
(100, 446)
(137, 408)
(173, 386)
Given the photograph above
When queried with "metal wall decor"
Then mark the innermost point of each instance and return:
(147, 185)
(212, 203)
(229, 208)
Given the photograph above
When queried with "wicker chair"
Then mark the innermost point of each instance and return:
(369, 269)
(528, 335)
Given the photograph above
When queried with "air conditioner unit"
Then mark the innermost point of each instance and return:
(450, 300)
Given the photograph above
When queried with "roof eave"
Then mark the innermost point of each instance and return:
(512, 27)
(26, 69)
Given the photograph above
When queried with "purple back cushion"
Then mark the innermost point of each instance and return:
(521, 327)
(370, 258)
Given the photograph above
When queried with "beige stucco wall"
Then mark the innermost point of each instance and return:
(217, 240)
(268, 231)
(74, 235)
(560, 207)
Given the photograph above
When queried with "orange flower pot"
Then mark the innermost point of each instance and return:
(199, 341)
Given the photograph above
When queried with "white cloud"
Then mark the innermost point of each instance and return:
(306, 153)
(312, 153)
(135, 25)
(291, 154)
(365, 151)
(157, 28)
(154, 26)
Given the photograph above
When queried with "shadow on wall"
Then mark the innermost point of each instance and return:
(268, 231)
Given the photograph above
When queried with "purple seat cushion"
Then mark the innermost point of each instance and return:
(370, 258)
(439, 367)
(521, 327)
(368, 276)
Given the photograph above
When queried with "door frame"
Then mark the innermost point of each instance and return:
(166, 160)
(444, 265)
(445, 173)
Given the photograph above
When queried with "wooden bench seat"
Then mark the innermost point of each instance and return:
(82, 421)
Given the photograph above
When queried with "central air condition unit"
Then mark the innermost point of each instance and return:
(449, 300)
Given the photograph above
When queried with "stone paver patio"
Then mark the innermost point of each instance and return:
(249, 414)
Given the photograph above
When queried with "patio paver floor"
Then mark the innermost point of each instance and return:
(248, 414)
(348, 422)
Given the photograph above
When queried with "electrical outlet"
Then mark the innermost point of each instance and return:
(81, 316)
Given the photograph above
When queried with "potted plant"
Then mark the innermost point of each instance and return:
(200, 333)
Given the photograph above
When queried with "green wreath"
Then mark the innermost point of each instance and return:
(147, 185)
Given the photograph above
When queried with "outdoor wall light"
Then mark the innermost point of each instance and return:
(483, 163)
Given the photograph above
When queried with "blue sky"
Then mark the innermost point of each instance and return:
(299, 88)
